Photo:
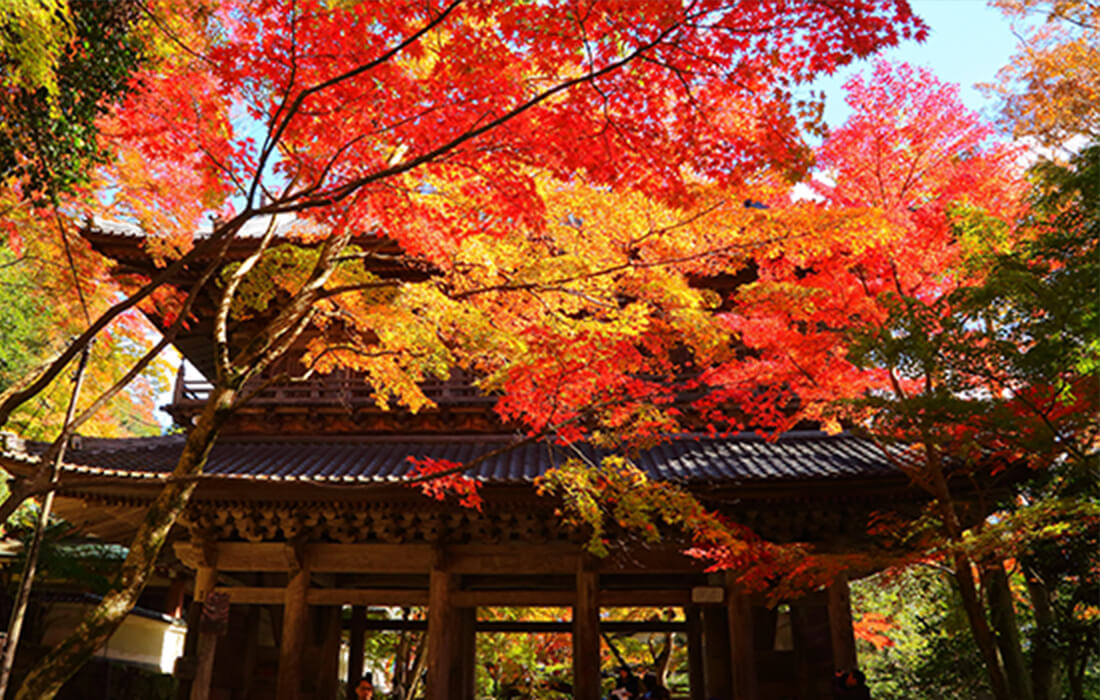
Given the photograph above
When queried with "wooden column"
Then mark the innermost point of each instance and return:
(742, 647)
(205, 579)
(586, 635)
(173, 597)
(328, 671)
(695, 652)
(840, 624)
(295, 621)
(717, 678)
(355, 648)
(251, 651)
(442, 665)
(466, 652)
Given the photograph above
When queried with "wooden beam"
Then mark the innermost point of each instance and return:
(253, 595)
(402, 597)
(741, 642)
(318, 556)
(260, 595)
(333, 557)
(533, 598)
(534, 559)
(646, 598)
(377, 558)
(840, 624)
(514, 598)
(295, 622)
(535, 626)
(586, 635)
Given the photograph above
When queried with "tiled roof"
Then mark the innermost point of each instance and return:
(286, 225)
(739, 459)
(93, 599)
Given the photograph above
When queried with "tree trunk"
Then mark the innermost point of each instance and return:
(1077, 664)
(663, 658)
(979, 627)
(52, 672)
(416, 674)
(962, 570)
(1044, 659)
(1003, 615)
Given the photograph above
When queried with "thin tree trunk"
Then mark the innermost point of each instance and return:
(663, 659)
(15, 626)
(33, 383)
(979, 627)
(1076, 665)
(420, 660)
(1044, 660)
(962, 571)
(1007, 632)
(50, 674)
(401, 662)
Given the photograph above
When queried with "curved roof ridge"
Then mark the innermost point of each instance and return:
(685, 458)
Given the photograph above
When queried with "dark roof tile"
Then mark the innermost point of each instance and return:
(744, 458)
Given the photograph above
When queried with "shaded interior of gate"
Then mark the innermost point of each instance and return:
(285, 628)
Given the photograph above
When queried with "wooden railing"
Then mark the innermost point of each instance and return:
(337, 389)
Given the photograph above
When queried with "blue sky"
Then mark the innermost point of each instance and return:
(968, 42)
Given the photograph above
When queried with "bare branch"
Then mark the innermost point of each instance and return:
(221, 318)
(281, 126)
(31, 385)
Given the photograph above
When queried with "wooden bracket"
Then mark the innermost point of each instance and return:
(295, 555)
(441, 558)
(208, 553)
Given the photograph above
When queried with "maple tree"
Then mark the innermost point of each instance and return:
(1051, 88)
(555, 172)
(920, 336)
(913, 637)
(49, 297)
(952, 320)
(1046, 302)
(66, 65)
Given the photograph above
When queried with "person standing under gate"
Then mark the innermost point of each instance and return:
(365, 689)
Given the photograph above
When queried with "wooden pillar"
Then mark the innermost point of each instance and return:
(741, 640)
(466, 652)
(355, 648)
(295, 621)
(328, 671)
(586, 635)
(801, 633)
(206, 577)
(716, 652)
(840, 624)
(443, 672)
(251, 651)
(173, 597)
(695, 652)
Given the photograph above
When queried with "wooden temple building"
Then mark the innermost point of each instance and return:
(301, 512)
